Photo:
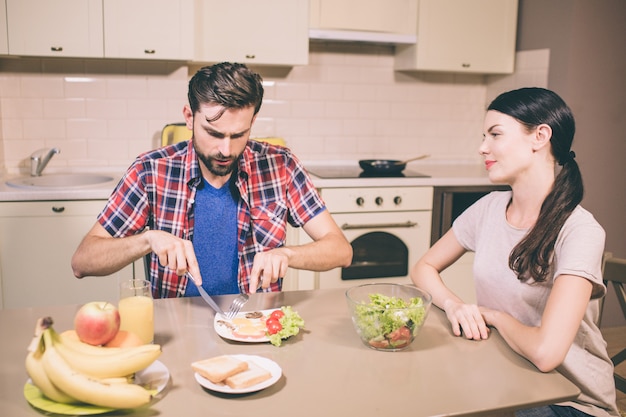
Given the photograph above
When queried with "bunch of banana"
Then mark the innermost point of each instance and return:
(69, 371)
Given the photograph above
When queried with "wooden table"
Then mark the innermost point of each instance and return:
(327, 371)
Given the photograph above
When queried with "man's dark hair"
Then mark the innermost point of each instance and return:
(231, 85)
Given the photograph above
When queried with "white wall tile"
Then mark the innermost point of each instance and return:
(341, 109)
(127, 88)
(84, 87)
(45, 86)
(61, 108)
(348, 103)
(87, 129)
(9, 87)
(306, 108)
(275, 108)
(21, 108)
(104, 108)
(44, 129)
(12, 129)
(145, 108)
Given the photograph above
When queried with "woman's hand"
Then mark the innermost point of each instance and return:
(466, 320)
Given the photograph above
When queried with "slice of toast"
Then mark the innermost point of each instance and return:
(255, 374)
(218, 368)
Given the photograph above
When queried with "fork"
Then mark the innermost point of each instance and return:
(236, 305)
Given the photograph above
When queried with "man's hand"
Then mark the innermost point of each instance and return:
(268, 267)
(175, 253)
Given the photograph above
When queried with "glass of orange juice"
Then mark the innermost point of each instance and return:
(136, 309)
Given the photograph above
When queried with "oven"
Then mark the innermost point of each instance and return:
(388, 227)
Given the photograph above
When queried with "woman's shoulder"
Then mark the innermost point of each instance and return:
(494, 199)
(580, 218)
(488, 207)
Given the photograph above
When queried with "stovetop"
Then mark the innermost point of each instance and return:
(335, 172)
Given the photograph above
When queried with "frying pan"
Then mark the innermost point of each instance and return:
(386, 166)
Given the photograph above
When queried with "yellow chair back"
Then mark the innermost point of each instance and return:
(272, 141)
(174, 133)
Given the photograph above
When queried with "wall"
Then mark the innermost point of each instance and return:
(99, 113)
(587, 68)
(348, 103)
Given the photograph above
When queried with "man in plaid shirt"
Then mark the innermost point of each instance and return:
(214, 208)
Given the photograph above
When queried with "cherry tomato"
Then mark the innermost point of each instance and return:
(273, 326)
(277, 314)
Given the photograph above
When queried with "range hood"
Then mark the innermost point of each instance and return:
(357, 36)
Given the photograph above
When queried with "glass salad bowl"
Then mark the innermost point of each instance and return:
(388, 317)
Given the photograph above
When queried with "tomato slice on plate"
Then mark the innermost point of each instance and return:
(273, 326)
(277, 314)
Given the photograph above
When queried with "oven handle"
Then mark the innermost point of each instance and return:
(348, 226)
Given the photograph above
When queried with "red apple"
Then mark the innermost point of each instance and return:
(97, 322)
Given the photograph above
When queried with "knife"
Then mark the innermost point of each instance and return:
(206, 297)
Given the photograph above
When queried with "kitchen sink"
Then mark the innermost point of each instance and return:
(59, 180)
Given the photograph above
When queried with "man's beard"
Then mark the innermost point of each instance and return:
(215, 169)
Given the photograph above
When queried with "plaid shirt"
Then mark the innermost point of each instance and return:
(158, 192)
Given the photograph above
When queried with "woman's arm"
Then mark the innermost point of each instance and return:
(546, 345)
(465, 318)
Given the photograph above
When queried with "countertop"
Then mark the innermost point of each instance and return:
(439, 174)
(326, 369)
(87, 192)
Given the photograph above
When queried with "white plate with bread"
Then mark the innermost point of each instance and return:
(236, 374)
(244, 327)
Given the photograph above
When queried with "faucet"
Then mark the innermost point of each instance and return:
(40, 158)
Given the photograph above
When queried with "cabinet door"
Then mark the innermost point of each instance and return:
(37, 241)
(391, 16)
(4, 43)
(68, 28)
(148, 29)
(269, 32)
(475, 36)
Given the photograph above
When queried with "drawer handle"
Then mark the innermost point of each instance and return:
(347, 226)
(56, 48)
(149, 51)
(465, 65)
(250, 56)
(60, 209)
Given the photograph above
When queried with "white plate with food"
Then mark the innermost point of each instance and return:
(247, 326)
(240, 381)
(154, 378)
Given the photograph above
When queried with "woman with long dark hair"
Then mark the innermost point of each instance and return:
(538, 253)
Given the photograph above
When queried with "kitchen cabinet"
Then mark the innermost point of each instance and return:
(4, 42)
(393, 21)
(148, 29)
(60, 28)
(37, 241)
(265, 32)
(472, 36)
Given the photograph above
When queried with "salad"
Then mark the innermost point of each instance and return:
(389, 322)
(283, 324)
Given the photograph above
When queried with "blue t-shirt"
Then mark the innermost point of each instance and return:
(215, 240)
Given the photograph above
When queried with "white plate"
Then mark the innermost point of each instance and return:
(154, 377)
(268, 364)
(227, 333)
